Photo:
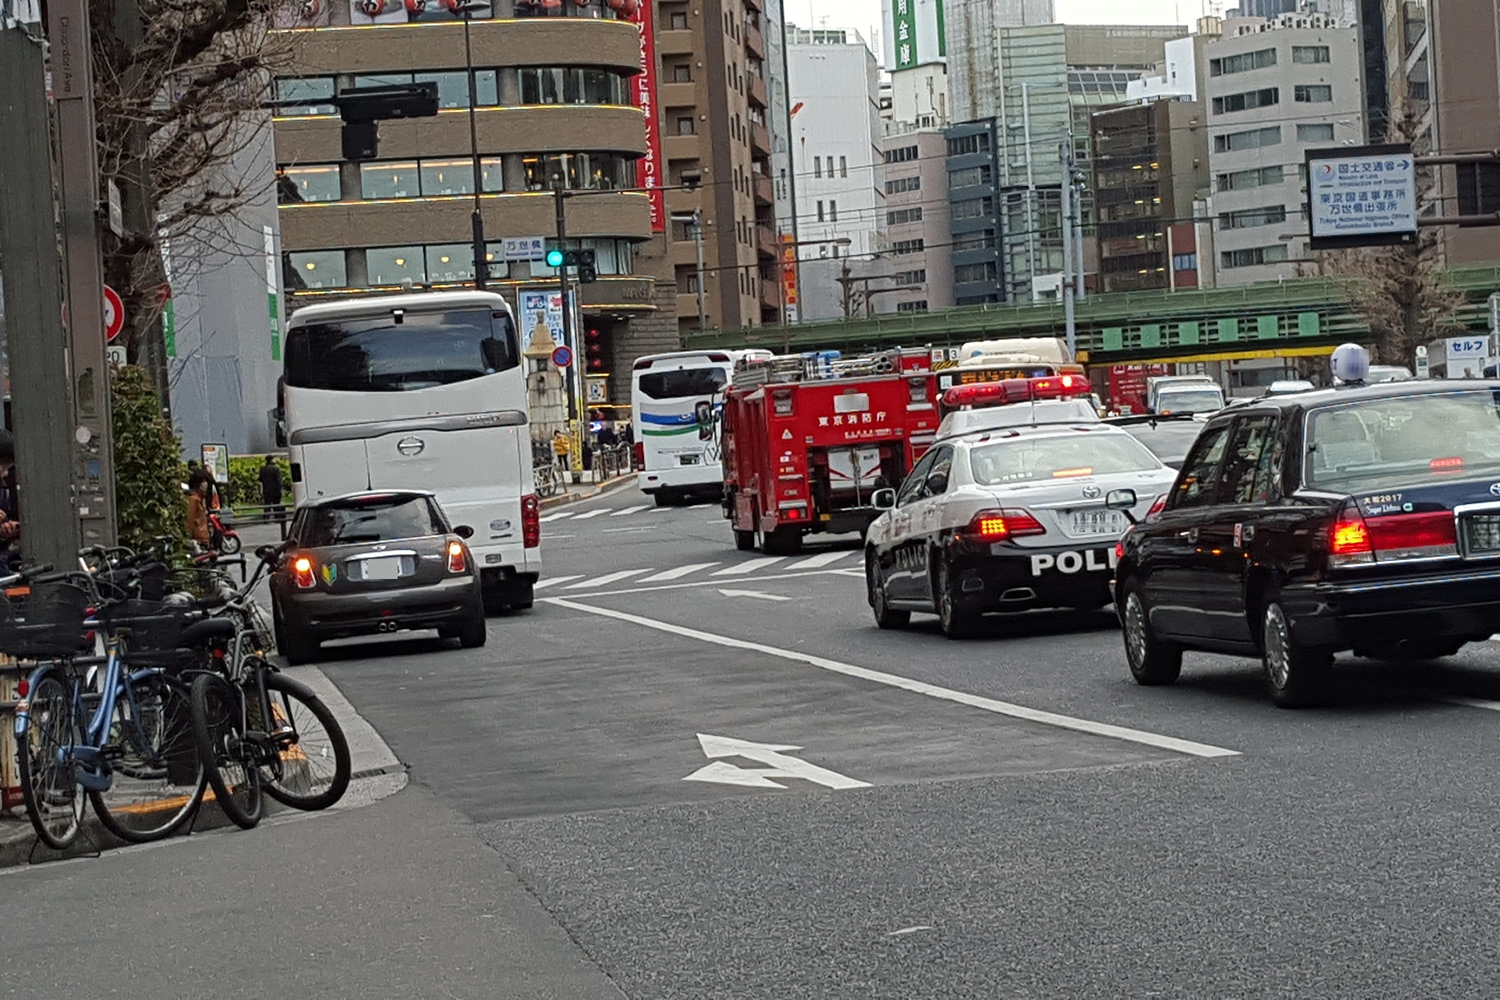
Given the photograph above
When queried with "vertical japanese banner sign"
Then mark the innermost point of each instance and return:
(648, 173)
(788, 270)
(168, 309)
(904, 33)
(273, 300)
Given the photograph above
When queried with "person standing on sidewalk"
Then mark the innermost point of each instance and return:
(271, 486)
(560, 448)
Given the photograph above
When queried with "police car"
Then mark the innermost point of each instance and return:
(1364, 517)
(1006, 511)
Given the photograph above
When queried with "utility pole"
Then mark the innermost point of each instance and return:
(481, 254)
(559, 200)
(42, 407)
(1065, 151)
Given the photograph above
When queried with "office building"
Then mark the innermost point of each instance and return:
(1274, 89)
(918, 233)
(976, 198)
(834, 83)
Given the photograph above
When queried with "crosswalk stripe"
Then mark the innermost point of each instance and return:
(554, 517)
(822, 559)
(673, 574)
(627, 510)
(591, 513)
(748, 566)
(554, 581)
(608, 578)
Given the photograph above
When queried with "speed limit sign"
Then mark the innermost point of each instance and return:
(114, 313)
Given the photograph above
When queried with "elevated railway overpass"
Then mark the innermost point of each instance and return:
(1300, 316)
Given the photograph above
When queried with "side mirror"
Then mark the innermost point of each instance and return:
(883, 499)
(1120, 499)
(464, 531)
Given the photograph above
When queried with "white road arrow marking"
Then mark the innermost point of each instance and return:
(778, 765)
(753, 593)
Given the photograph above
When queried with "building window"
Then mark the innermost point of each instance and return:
(820, 212)
(570, 85)
(686, 125)
(843, 167)
(558, 8)
(974, 208)
(453, 87)
(580, 171)
(830, 168)
(1250, 218)
(1315, 133)
(428, 178)
(818, 167)
(1252, 256)
(677, 22)
(299, 184)
(314, 269)
(394, 265)
(395, 179)
(1478, 188)
(969, 177)
(1252, 139)
(1239, 180)
(833, 212)
(901, 184)
(308, 95)
(902, 154)
(1263, 98)
(902, 216)
(963, 145)
(1185, 262)
(1307, 93)
(919, 306)
(1244, 62)
(1309, 53)
(916, 277)
(982, 240)
(965, 274)
(682, 73)
(902, 247)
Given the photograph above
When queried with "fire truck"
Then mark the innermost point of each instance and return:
(808, 439)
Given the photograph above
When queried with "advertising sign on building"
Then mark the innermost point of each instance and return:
(914, 33)
(1364, 196)
(540, 311)
(649, 167)
(789, 273)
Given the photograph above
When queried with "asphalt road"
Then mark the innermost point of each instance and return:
(694, 772)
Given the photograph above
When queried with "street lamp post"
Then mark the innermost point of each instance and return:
(481, 256)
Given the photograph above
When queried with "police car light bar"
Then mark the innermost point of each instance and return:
(1015, 390)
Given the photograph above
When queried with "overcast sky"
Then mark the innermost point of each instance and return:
(865, 14)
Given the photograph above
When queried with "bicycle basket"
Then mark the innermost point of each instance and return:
(154, 627)
(44, 621)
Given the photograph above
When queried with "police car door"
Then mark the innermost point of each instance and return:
(927, 521)
(900, 556)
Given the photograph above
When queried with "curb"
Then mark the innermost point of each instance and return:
(608, 486)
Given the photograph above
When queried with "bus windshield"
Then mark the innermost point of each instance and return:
(680, 382)
(378, 354)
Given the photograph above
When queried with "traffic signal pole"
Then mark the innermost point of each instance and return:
(559, 199)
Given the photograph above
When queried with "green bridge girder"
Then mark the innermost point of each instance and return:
(1297, 313)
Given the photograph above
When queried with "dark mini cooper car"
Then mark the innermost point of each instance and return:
(1363, 518)
(371, 563)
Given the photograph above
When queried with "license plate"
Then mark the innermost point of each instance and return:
(385, 568)
(1482, 534)
(689, 459)
(1098, 522)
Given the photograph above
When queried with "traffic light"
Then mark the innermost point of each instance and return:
(583, 260)
(598, 349)
(586, 272)
(554, 257)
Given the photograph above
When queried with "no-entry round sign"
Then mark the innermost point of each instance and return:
(562, 356)
(114, 313)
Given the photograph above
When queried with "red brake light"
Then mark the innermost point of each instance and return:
(1119, 551)
(458, 558)
(998, 525)
(1413, 536)
(531, 522)
(302, 573)
(1157, 506)
(1349, 539)
(1453, 464)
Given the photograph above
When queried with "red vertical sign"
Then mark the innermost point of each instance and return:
(648, 171)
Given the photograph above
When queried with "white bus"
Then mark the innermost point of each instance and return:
(676, 403)
(423, 391)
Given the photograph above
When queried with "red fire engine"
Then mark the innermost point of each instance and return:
(808, 439)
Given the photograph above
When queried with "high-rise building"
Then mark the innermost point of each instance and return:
(976, 58)
(919, 257)
(834, 86)
(1273, 90)
(976, 194)
(554, 87)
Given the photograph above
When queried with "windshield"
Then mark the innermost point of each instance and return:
(1190, 401)
(370, 520)
(683, 382)
(1169, 441)
(377, 354)
(1404, 439)
(1088, 453)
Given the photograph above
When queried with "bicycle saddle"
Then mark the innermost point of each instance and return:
(205, 632)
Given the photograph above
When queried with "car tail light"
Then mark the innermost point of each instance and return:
(531, 522)
(1451, 464)
(797, 512)
(302, 572)
(998, 525)
(1349, 539)
(640, 454)
(1119, 551)
(458, 558)
(1157, 506)
(1413, 536)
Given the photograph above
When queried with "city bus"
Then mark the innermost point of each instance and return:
(419, 391)
(676, 402)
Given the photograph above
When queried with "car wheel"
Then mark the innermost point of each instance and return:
(473, 632)
(521, 595)
(885, 616)
(1152, 661)
(744, 540)
(1297, 675)
(297, 649)
(957, 620)
(784, 541)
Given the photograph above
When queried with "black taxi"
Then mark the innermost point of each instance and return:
(1363, 518)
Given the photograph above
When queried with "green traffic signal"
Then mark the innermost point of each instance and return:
(554, 257)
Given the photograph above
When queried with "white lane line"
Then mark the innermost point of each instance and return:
(813, 562)
(554, 581)
(748, 566)
(656, 510)
(592, 513)
(554, 517)
(628, 510)
(917, 687)
(698, 506)
(643, 527)
(673, 574)
(710, 583)
(608, 578)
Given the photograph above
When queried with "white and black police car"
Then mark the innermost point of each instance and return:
(1006, 512)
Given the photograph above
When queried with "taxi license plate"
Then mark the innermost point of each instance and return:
(385, 568)
(1482, 534)
(1098, 522)
(689, 459)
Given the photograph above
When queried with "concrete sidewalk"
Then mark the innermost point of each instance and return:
(575, 492)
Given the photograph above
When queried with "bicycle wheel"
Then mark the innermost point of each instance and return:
(313, 769)
(228, 760)
(157, 780)
(54, 801)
